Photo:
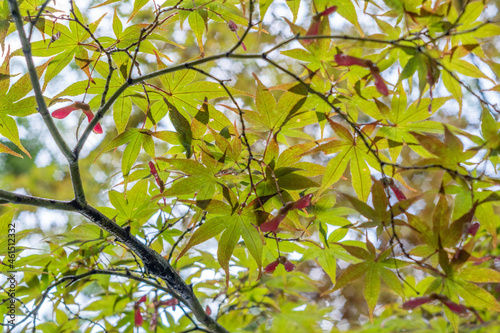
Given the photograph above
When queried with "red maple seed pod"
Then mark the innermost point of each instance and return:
(399, 194)
(65, 111)
(473, 228)
(303, 202)
(138, 320)
(347, 60)
(154, 172)
(171, 302)
(379, 81)
(313, 30)
(272, 224)
(97, 128)
(271, 267)
(454, 307)
(281, 260)
(208, 310)
(289, 266)
(316, 22)
(234, 28)
(416, 302)
(328, 11)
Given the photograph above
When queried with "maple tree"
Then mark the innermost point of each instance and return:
(251, 166)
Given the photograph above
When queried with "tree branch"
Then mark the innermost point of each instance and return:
(22, 199)
(42, 107)
(153, 261)
(155, 264)
(74, 278)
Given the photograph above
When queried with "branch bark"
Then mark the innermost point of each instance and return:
(154, 263)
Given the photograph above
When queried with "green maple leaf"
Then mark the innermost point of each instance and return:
(14, 104)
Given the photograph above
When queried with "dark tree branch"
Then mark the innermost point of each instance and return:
(22, 199)
(42, 107)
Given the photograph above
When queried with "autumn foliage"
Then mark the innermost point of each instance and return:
(293, 166)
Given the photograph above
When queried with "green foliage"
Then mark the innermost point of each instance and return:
(397, 143)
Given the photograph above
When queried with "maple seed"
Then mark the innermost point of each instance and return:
(399, 194)
(316, 22)
(281, 260)
(473, 228)
(347, 60)
(313, 30)
(416, 302)
(454, 307)
(379, 82)
(171, 302)
(328, 11)
(234, 28)
(138, 320)
(272, 224)
(271, 267)
(65, 111)
(303, 202)
(154, 172)
(289, 266)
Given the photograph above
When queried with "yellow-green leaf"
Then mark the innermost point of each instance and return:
(121, 113)
(209, 229)
(372, 288)
(227, 243)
